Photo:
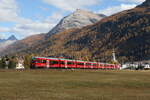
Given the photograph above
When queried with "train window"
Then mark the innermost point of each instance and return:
(112, 65)
(94, 64)
(81, 64)
(43, 61)
(38, 61)
(101, 65)
(88, 64)
(33, 61)
(62, 63)
(70, 63)
(54, 62)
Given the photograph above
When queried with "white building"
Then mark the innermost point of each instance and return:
(20, 65)
(146, 66)
(129, 66)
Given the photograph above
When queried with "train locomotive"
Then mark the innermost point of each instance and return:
(60, 63)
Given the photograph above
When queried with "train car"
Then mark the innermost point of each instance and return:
(80, 64)
(71, 64)
(45, 62)
(39, 62)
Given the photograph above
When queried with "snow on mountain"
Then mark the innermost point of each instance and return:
(78, 19)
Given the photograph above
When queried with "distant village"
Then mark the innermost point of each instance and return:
(7, 63)
(143, 65)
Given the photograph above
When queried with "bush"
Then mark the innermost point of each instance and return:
(27, 61)
(12, 64)
(2, 63)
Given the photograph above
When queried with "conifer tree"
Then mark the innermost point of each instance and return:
(12, 63)
(2, 63)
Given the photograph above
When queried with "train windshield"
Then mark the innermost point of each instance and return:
(33, 60)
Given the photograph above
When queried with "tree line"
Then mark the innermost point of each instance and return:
(10, 62)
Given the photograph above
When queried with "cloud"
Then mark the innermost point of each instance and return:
(55, 17)
(37, 27)
(8, 10)
(115, 9)
(71, 5)
(27, 27)
(2, 36)
(44, 8)
(24, 27)
(31, 28)
(132, 1)
(4, 29)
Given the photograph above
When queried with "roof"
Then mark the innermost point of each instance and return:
(70, 60)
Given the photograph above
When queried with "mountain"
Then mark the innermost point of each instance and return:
(2, 40)
(6, 42)
(23, 44)
(78, 19)
(12, 37)
(127, 32)
(145, 4)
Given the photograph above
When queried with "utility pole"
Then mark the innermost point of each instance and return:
(114, 56)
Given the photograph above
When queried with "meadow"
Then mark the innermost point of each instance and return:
(74, 85)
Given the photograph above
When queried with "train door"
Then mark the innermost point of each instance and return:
(66, 66)
(47, 63)
(62, 64)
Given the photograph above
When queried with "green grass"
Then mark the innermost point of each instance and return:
(74, 85)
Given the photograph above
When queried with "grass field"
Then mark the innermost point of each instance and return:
(74, 85)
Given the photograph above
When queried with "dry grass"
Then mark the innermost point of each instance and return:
(74, 85)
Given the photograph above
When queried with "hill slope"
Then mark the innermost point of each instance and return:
(127, 32)
(77, 19)
(23, 44)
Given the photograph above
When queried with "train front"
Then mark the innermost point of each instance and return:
(38, 62)
(33, 63)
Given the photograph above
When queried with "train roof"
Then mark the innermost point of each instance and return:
(59, 59)
(70, 60)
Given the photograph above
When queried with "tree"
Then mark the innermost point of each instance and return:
(2, 63)
(12, 63)
(27, 61)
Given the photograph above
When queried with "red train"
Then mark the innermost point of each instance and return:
(44, 62)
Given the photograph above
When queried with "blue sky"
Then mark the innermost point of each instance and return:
(23, 18)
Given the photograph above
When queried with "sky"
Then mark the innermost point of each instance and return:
(23, 18)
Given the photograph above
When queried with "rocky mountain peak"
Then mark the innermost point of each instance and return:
(145, 4)
(1, 39)
(12, 37)
(4, 43)
(77, 19)
(83, 13)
